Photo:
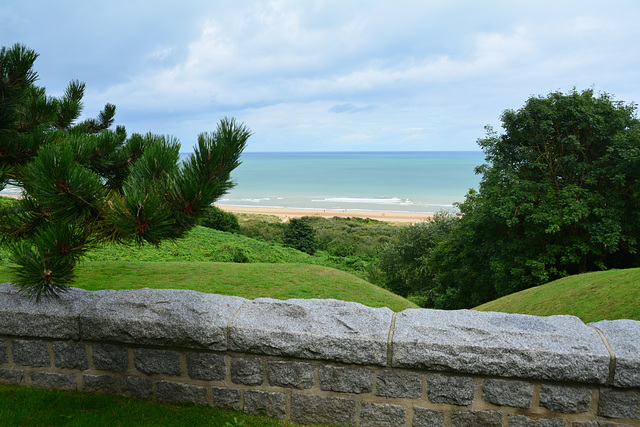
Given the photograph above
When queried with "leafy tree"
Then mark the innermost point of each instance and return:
(404, 262)
(84, 184)
(559, 195)
(301, 236)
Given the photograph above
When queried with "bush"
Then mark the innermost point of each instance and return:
(301, 236)
(220, 220)
(403, 263)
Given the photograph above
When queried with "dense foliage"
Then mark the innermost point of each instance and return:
(350, 244)
(219, 219)
(404, 262)
(559, 195)
(83, 183)
(301, 236)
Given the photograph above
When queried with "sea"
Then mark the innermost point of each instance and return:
(417, 182)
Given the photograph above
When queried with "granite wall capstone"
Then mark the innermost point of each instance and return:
(326, 361)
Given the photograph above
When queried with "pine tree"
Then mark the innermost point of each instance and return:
(84, 184)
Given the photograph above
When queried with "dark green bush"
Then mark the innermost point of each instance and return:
(301, 236)
(404, 263)
(221, 220)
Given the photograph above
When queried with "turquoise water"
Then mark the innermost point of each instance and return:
(380, 181)
(426, 181)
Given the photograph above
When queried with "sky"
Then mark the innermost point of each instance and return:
(327, 75)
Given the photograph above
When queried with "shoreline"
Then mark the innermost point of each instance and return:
(286, 213)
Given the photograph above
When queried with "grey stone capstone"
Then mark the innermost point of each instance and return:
(346, 332)
(624, 338)
(48, 318)
(176, 317)
(522, 346)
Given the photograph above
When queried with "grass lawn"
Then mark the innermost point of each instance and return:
(203, 261)
(24, 406)
(592, 297)
(280, 281)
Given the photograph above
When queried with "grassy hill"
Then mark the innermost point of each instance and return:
(591, 296)
(229, 264)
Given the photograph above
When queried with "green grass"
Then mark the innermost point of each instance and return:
(591, 297)
(280, 281)
(205, 244)
(24, 406)
(203, 262)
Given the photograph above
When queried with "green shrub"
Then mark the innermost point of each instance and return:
(221, 220)
(404, 263)
(7, 202)
(301, 236)
(267, 231)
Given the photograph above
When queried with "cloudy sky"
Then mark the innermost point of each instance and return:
(332, 75)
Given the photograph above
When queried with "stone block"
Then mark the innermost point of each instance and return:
(48, 318)
(4, 352)
(140, 388)
(110, 357)
(226, 398)
(168, 391)
(70, 355)
(53, 380)
(423, 417)
(31, 353)
(311, 409)
(517, 394)
(476, 418)
(157, 361)
(104, 384)
(559, 348)
(341, 331)
(454, 390)
(399, 384)
(206, 366)
(624, 338)
(524, 421)
(297, 375)
(619, 403)
(382, 414)
(169, 317)
(246, 370)
(266, 403)
(565, 399)
(345, 379)
(12, 376)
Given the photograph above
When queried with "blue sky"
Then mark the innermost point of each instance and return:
(341, 75)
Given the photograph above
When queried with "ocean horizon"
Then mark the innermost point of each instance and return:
(418, 182)
(392, 181)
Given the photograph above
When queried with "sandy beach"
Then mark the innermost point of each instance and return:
(286, 213)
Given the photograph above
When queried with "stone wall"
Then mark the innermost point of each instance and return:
(326, 361)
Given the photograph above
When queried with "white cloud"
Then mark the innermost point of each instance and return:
(415, 74)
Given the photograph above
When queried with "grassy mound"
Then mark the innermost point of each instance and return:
(591, 296)
(229, 264)
(203, 244)
(280, 281)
